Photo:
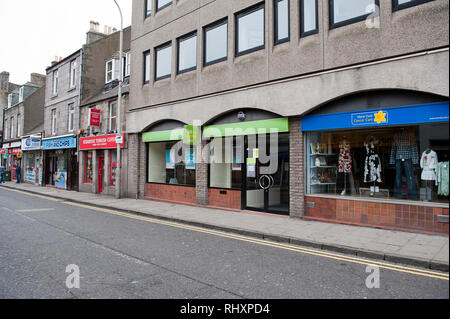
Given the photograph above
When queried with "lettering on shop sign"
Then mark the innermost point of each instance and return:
(370, 118)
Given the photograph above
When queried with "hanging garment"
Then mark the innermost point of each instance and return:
(404, 148)
(372, 167)
(442, 178)
(429, 163)
(345, 158)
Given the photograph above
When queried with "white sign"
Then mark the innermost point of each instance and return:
(119, 139)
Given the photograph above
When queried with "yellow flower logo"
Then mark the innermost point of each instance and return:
(380, 117)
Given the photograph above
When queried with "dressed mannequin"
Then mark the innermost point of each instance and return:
(429, 164)
(404, 155)
(345, 162)
(372, 167)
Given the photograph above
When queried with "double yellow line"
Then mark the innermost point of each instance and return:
(314, 252)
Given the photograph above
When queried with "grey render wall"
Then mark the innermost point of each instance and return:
(65, 96)
(419, 28)
(12, 113)
(34, 112)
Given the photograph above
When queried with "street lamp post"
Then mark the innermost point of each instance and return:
(119, 106)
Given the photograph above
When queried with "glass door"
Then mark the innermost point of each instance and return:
(267, 173)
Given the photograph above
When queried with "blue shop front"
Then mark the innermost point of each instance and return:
(61, 162)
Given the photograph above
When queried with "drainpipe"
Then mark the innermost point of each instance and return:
(79, 116)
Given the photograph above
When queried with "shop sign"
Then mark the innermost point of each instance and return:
(30, 143)
(370, 118)
(100, 142)
(3, 151)
(94, 117)
(15, 151)
(59, 143)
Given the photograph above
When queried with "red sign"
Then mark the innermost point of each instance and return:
(100, 142)
(3, 150)
(94, 117)
(15, 151)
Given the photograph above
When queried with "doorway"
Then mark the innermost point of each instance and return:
(101, 165)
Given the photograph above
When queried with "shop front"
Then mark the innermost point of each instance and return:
(32, 160)
(385, 167)
(98, 164)
(249, 162)
(60, 162)
(171, 164)
(12, 155)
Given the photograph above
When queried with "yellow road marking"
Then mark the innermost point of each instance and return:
(356, 260)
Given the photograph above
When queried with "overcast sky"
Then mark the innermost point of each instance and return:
(33, 32)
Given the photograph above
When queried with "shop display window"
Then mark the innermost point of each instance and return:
(113, 168)
(226, 160)
(171, 163)
(88, 167)
(409, 163)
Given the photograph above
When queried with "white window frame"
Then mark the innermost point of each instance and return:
(53, 115)
(71, 116)
(21, 91)
(73, 74)
(6, 129)
(127, 64)
(111, 117)
(10, 97)
(19, 126)
(12, 127)
(55, 82)
(107, 72)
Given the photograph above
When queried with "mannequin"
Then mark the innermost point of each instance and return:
(429, 164)
(345, 161)
(372, 167)
(404, 155)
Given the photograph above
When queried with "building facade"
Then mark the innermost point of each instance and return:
(6, 88)
(293, 107)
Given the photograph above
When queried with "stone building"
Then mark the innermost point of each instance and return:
(347, 96)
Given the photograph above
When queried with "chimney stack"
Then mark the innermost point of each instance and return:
(37, 78)
(4, 81)
(94, 33)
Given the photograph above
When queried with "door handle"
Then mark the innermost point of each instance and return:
(262, 178)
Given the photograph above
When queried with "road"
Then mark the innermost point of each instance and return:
(122, 255)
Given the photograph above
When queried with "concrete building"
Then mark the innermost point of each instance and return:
(6, 88)
(352, 93)
(97, 147)
(23, 115)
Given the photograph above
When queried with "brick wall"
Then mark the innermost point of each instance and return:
(393, 216)
(296, 167)
(201, 173)
(180, 194)
(224, 198)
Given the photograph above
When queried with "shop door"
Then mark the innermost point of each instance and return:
(266, 186)
(101, 164)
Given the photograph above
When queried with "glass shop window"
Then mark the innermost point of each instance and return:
(226, 160)
(88, 167)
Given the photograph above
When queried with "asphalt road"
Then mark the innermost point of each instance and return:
(125, 256)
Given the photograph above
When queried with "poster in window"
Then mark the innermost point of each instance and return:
(190, 159)
(170, 159)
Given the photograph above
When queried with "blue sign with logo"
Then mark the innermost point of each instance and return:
(59, 143)
(415, 114)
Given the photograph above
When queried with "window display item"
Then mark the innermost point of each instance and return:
(345, 158)
(442, 178)
(372, 167)
(428, 163)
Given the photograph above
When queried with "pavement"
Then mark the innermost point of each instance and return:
(421, 250)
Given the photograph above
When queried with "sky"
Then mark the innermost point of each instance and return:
(33, 32)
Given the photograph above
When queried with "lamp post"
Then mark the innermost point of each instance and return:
(119, 106)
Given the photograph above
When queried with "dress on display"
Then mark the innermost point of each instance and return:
(429, 163)
(345, 158)
(372, 167)
(442, 178)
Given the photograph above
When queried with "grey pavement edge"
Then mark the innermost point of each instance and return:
(420, 250)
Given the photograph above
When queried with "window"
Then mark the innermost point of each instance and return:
(88, 167)
(127, 64)
(161, 4)
(250, 30)
(403, 4)
(54, 122)
(109, 71)
(281, 21)
(6, 129)
(55, 83)
(21, 91)
(171, 163)
(73, 74)
(112, 168)
(19, 125)
(308, 17)
(148, 8)
(10, 100)
(71, 116)
(215, 42)
(226, 166)
(146, 67)
(113, 116)
(343, 12)
(187, 53)
(163, 61)
(12, 127)
(391, 162)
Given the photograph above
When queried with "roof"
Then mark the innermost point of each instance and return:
(107, 95)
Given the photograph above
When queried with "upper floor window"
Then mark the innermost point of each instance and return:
(343, 12)
(71, 117)
(21, 91)
(148, 8)
(215, 42)
(308, 17)
(109, 71)
(112, 116)
(250, 30)
(281, 21)
(6, 128)
(19, 125)
(403, 4)
(54, 122)
(10, 100)
(12, 127)
(73, 73)
(55, 82)
(163, 61)
(161, 4)
(127, 64)
(187, 53)
(146, 67)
